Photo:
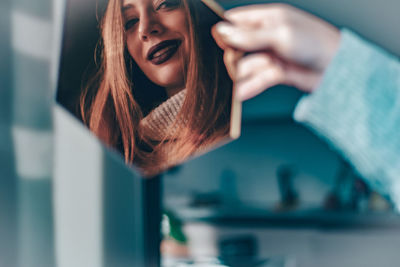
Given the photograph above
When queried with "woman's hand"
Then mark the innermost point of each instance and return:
(286, 45)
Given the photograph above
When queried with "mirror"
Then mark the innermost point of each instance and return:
(149, 80)
(277, 191)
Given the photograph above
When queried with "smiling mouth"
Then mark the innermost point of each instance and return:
(163, 51)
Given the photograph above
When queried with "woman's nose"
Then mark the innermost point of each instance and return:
(149, 26)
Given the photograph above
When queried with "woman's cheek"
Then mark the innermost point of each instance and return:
(134, 52)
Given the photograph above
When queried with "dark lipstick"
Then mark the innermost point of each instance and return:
(163, 51)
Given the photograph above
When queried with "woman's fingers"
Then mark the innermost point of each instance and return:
(250, 63)
(256, 84)
(305, 79)
(299, 44)
(231, 58)
(246, 39)
(257, 15)
(218, 38)
(292, 34)
(256, 73)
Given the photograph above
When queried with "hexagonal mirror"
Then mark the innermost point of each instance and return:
(147, 78)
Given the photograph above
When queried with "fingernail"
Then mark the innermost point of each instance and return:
(225, 29)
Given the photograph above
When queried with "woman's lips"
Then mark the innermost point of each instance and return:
(163, 51)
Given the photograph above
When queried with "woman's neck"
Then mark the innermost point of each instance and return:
(173, 91)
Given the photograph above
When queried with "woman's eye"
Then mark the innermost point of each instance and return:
(168, 4)
(130, 23)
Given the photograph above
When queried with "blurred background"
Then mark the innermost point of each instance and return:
(280, 192)
(278, 196)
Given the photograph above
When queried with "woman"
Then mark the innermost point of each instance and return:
(162, 91)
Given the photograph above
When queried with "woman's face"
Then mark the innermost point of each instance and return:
(157, 38)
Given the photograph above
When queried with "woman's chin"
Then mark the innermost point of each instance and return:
(170, 77)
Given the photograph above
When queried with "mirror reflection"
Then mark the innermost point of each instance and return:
(160, 92)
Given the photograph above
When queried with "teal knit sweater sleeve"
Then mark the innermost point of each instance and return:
(356, 109)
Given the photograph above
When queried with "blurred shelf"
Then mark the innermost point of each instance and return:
(304, 218)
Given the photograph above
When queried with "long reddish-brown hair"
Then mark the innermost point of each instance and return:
(112, 104)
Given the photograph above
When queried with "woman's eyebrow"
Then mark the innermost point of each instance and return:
(127, 6)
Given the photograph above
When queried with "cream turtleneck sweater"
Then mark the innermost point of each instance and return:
(157, 124)
(160, 123)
